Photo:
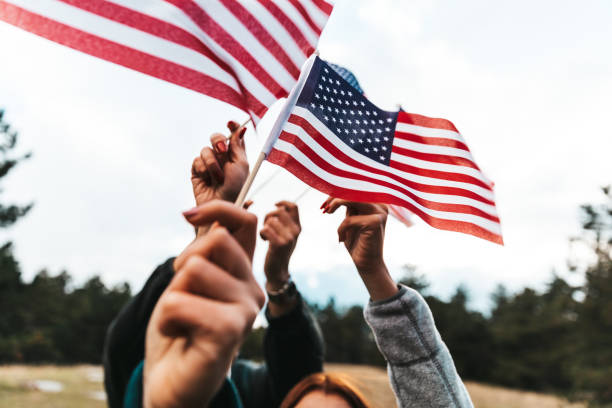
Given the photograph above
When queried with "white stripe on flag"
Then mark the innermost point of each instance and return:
(298, 20)
(108, 29)
(277, 30)
(359, 185)
(339, 164)
(428, 132)
(168, 12)
(322, 129)
(432, 149)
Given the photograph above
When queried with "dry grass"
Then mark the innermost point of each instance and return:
(374, 383)
(82, 382)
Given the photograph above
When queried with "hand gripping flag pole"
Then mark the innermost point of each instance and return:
(277, 127)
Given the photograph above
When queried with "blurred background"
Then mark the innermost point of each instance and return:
(97, 206)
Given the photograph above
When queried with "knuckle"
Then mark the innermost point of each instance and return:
(170, 303)
(193, 266)
(218, 236)
(250, 219)
(260, 297)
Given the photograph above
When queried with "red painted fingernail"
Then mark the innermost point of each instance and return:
(190, 213)
(242, 132)
(221, 146)
(322, 205)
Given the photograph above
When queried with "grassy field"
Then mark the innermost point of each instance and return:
(20, 387)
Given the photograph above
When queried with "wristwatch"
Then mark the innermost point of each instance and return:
(286, 293)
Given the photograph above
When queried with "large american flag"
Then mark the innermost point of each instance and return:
(340, 143)
(247, 53)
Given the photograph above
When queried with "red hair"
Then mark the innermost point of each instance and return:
(328, 384)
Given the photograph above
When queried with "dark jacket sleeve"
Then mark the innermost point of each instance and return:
(293, 349)
(125, 339)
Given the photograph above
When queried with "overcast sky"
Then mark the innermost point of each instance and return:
(528, 84)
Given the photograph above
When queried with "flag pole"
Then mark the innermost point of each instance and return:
(277, 127)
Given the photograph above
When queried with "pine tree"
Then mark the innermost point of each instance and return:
(593, 370)
(11, 285)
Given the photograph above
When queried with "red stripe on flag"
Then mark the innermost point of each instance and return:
(233, 47)
(148, 24)
(295, 33)
(323, 6)
(420, 120)
(306, 16)
(337, 153)
(437, 206)
(120, 54)
(288, 162)
(444, 175)
(436, 158)
(262, 35)
(434, 141)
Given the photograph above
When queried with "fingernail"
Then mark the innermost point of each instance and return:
(242, 132)
(221, 146)
(322, 205)
(190, 213)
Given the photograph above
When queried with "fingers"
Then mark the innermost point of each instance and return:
(217, 141)
(212, 165)
(221, 248)
(281, 214)
(353, 207)
(180, 312)
(362, 222)
(268, 233)
(233, 284)
(292, 208)
(240, 223)
(198, 170)
(277, 233)
(233, 126)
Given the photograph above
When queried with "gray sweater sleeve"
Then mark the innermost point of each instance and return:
(420, 367)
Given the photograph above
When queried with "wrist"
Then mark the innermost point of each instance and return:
(277, 279)
(378, 281)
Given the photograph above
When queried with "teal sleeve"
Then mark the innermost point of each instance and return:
(133, 392)
(227, 396)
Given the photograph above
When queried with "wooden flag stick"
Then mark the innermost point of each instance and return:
(276, 128)
(246, 122)
(249, 181)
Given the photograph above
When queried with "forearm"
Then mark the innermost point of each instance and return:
(421, 368)
(378, 281)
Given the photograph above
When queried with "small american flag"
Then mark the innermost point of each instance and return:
(340, 143)
(247, 53)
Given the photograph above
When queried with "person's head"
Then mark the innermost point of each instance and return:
(324, 390)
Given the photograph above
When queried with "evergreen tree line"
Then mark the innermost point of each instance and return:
(559, 339)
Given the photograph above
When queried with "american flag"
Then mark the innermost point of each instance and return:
(400, 213)
(340, 143)
(247, 53)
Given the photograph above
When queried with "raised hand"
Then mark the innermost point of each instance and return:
(220, 171)
(202, 318)
(363, 232)
(281, 229)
